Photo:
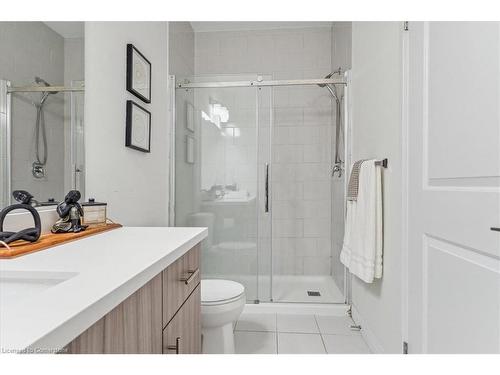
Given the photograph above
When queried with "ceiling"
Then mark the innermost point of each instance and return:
(68, 29)
(206, 26)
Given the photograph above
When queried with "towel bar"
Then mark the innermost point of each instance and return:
(382, 163)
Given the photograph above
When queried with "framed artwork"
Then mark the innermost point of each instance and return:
(189, 149)
(190, 116)
(138, 74)
(138, 127)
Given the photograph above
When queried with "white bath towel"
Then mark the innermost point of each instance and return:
(362, 248)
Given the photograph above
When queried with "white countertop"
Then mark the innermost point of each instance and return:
(77, 283)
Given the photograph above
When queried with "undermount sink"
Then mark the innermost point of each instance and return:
(17, 285)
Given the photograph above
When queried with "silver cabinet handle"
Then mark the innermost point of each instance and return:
(495, 229)
(191, 277)
(175, 347)
(266, 187)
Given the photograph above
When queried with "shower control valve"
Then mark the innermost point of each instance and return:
(38, 170)
(337, 168)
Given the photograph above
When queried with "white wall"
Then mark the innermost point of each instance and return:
(134, 184)
(376, 121)
(181, 64)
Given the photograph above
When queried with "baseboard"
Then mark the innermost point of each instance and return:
(367, 333)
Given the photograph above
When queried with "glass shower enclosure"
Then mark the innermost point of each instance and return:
(60, 141)
(255, 169)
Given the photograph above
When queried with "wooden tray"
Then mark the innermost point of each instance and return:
(46, 241)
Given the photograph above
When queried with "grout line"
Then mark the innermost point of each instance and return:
(320, 334)
(277, 333)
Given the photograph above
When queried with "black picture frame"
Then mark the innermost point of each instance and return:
(132, 54)
(129, 141)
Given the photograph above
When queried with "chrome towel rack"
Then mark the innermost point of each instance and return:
(382, 163)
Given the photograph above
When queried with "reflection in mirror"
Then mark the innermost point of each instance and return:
(41, 109)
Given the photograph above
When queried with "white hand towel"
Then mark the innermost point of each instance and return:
(362, 248)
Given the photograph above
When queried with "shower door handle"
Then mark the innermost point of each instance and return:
(266, 189)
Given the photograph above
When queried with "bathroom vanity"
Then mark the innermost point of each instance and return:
(131, 290)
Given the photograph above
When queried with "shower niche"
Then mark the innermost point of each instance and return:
(42, 110)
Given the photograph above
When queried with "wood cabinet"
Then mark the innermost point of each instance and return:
(182, 334)
(179, 281)
(151, 319)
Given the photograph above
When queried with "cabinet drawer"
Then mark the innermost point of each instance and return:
(179, 281)
(182, 335)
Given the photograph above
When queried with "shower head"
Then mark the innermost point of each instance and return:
(45, 94)
(41, 81)
(333, 91)
(328, 76)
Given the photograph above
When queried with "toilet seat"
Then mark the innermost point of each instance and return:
(222, 302)
(220, 292)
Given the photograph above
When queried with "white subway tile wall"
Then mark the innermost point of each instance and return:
(302, 134)
(32, 49)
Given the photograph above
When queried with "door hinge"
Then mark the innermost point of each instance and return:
(405, 26)
(405, 347)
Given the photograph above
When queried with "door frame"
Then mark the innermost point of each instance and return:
(406, 148)
(405, 173)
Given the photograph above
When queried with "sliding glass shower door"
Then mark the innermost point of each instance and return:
(220, 168)
(253, 165)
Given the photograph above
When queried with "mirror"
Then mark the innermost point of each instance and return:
(41, 128)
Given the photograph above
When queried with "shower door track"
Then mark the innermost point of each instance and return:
(263, 83)
(55, 89)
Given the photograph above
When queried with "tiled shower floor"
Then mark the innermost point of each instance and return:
(294, 289)
(281, 333)
(289, 288)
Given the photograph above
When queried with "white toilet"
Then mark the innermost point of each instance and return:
(222, 302)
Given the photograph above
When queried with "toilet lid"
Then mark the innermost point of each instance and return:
(213, 290)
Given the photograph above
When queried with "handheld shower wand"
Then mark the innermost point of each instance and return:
(337, 167)
(38, 168)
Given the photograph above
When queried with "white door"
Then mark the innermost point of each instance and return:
(454, 187)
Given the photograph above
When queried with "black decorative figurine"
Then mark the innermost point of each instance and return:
(70, 213)
(29, 234)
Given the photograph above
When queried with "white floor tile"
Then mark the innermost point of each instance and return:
(342, 344)
(335, 325)
(256, 322)
(297, 323)
(300, 343)
(255, 342)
